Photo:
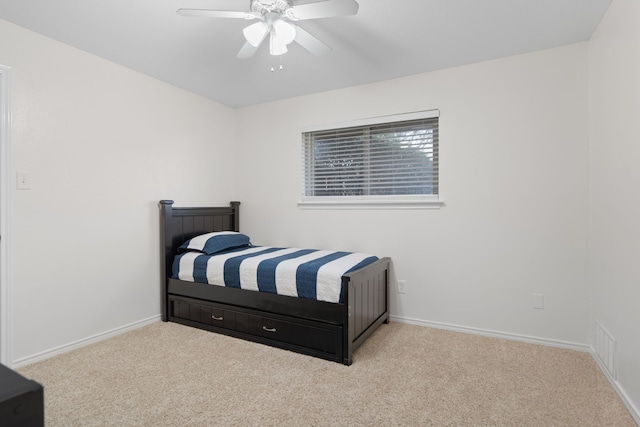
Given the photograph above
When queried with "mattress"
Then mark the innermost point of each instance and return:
(305, 273)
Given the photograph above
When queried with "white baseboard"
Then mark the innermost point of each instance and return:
(495, 334)
(633, 410)
(85, 341)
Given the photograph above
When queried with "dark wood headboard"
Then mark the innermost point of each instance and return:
(177, 225)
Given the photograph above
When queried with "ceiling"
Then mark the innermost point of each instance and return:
(386, 39)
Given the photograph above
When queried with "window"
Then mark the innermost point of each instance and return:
(383, 161)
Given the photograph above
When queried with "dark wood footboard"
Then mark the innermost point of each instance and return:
(367, 297)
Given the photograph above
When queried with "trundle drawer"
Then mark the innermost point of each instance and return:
(202, 313)
(325, 339)
(316, 338)
(262, 326)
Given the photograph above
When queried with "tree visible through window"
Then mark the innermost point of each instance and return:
(399, 158)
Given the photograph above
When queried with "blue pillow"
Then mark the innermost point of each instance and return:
(212, 243)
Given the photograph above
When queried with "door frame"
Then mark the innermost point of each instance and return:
(6, 175)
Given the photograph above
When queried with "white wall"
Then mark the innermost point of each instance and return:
(514, 169)
(614, 66)
(103, 145)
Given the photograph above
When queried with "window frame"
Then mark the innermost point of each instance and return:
(422, 201)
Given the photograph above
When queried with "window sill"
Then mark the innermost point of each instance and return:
(371, 204)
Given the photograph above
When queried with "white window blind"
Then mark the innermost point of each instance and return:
(388, 158)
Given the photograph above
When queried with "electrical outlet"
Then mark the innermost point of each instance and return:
(402, 287)
(538, 301)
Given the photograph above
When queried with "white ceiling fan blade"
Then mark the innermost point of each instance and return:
(206, 13)
(325, 9)
(311, 43)
(247, 51)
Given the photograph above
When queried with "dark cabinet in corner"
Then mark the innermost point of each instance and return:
(21, 400)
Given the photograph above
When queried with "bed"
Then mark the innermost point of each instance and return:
(320, 328)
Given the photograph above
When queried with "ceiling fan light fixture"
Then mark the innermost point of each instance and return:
(276, 45)
(255, 33)
(285, 31)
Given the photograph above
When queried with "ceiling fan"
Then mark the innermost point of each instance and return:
(276, 19)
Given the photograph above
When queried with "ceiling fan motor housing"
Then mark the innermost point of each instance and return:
(282, 8)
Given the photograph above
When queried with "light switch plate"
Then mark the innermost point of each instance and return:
(23, 180)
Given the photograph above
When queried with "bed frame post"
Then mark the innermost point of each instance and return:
(166, 251)
(235, 207)
(347, 322)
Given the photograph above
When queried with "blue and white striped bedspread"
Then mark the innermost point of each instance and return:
(305, 273)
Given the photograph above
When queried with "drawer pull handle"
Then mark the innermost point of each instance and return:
(269, 329)
(214, 317)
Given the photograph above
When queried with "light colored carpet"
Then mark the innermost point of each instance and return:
(167, 374)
